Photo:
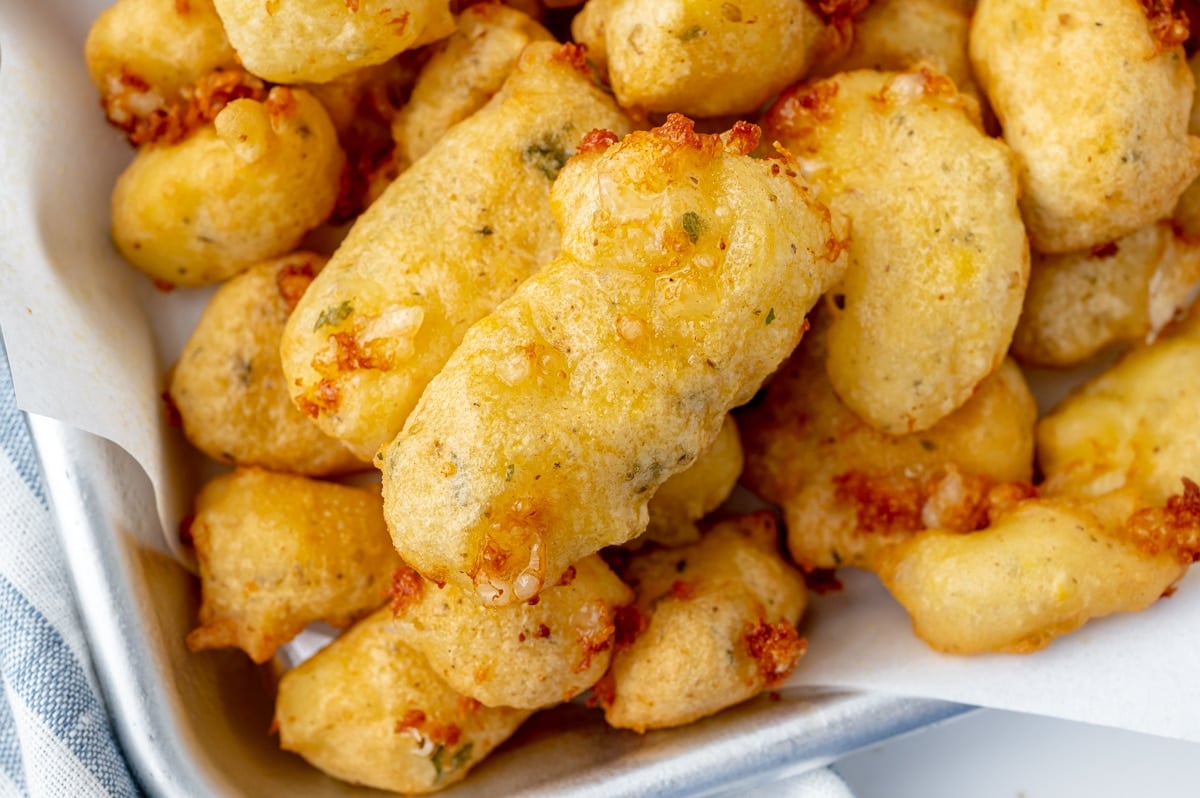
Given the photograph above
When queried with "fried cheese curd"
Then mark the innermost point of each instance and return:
(362, 105)
(1187, 210)
(228, 385)
(1115, 524)
(315, 41)
(702, 58)
(466, 71)
(241, 190)
(1093, 97)
(848, 490)
(901, 34)
(369, 710)
(686, 271)
(146, 55)
(1080, 303)
(530, 655)
(696, 491)
(714, 625)
(278, 552)
(448, 240)
(938, 256)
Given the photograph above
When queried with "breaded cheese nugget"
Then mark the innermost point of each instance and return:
(467, 70)
(686, 271)
(142, 54)
(1093, 98)
(714, 625)
(701, 57)
(449, 239)
(1082, 302)
(528, 655)
(314, 41)
(938, 256)
(847, 489)
(901, 34)
(277, 552)
(696, 491)
(1116, 522)
(1041, 570)
(369, 710)
(242, 190)
(1131, 430)
(228, 384)
(1187, 210)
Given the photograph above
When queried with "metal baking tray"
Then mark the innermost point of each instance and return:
(198, 725)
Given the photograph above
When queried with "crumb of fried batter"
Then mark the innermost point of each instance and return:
(1168, 26)
(573, 55)
(597, 141)
(173, 121)
(601, 639)
(407, 586)
(1174, 528)
(630, 623)
(799, 109)
(292, 281)
(776, 648)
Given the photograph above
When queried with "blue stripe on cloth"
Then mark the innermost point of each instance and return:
(10, 748)
(14, 436)
(38, 666)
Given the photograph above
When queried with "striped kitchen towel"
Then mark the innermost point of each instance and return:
(55, 734)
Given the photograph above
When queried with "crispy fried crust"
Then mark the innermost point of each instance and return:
(448, 241)
(1093, 177)
(686, 271)
(1120, 292)
(316, 41)
(278, 552)
(702, 58)
(530, 655)
(236, 192)
(1110, 530)
(938, 256)
(228, 385)
(846, 489)
(714, 625)
(369, 710)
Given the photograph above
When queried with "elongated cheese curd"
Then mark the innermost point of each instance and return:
(449, 239)
(277, 552)
(1041, 570)
(369, 710)
(1115, 524)
(228, 384)
(466, 71)
(714, 625)
(701, 57)
(1094, 99)
(686, 272)
(848, 490)
(239, 191)
(314, 41)
(938, 256)
(525, 655)
(1080, 303)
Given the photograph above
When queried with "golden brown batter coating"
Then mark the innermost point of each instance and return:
(686, 271)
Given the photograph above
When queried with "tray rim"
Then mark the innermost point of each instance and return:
(146, 713)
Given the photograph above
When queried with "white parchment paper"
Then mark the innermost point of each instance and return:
(89, 342)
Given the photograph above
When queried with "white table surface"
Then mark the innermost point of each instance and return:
(993, 754)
